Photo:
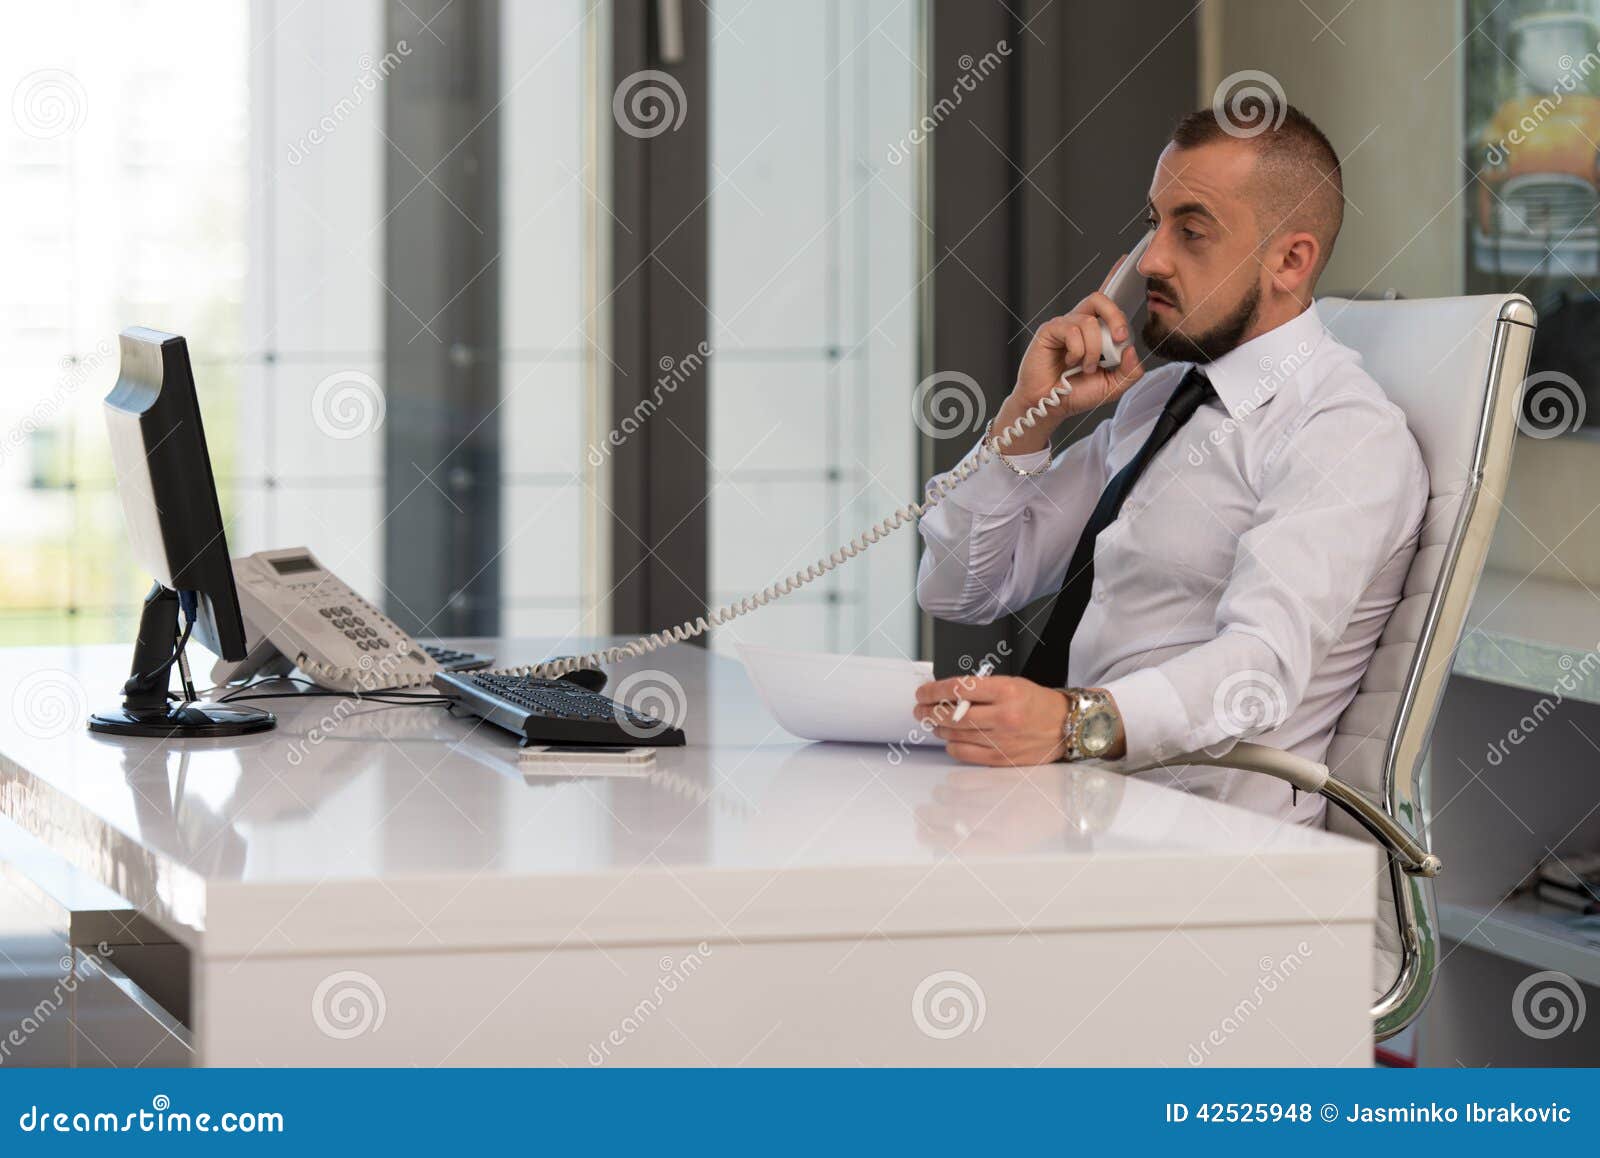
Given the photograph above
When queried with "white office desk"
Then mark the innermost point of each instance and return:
(386, 887)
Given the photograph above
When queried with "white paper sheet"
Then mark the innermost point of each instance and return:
(862, 699)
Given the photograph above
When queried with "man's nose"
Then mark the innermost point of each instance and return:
(1157, 259)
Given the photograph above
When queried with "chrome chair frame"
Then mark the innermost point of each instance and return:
(1398, 818)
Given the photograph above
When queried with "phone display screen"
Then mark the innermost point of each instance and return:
(294, 565)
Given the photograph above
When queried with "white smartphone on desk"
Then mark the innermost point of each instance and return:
(581, 760)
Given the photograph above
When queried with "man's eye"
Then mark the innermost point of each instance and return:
(1191, 235)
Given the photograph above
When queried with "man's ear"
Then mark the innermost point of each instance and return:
(1293, 260)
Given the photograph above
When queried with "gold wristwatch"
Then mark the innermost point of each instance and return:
(1091, 724)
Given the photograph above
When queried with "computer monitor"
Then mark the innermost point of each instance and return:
(169, 502)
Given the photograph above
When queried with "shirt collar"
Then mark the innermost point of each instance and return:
(1248, 376)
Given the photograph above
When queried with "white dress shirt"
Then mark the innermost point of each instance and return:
(1242, 588)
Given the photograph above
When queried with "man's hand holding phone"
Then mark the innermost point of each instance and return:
(1062, 344)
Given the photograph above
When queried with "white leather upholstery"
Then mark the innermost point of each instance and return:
(1435, 359)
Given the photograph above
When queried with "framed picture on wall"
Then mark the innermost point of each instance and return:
(1532, 104)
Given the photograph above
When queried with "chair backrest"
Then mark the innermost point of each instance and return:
(1455, 366)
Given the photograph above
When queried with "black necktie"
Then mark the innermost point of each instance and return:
(1047, 662)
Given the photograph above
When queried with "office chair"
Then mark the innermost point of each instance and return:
(1455, 366)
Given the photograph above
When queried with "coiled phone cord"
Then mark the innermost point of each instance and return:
(937, 490)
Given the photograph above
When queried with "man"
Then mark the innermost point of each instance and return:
(1228, 545)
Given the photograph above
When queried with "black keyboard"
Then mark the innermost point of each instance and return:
(554, 711)
(452, 660)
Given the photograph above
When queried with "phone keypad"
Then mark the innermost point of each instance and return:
(353, 624)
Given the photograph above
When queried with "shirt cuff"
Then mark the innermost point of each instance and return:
(995, 489)
(1155, 724)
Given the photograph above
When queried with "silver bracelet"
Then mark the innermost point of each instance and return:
(988, 440)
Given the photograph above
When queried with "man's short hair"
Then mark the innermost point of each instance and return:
(1297, 177)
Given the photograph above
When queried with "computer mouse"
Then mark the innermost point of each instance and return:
(590, 678)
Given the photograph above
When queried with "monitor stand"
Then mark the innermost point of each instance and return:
(146, 710)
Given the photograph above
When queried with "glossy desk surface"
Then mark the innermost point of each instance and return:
(403, 828)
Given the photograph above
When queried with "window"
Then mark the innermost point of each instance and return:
(813, 304)
(221, 170)
(125, 166)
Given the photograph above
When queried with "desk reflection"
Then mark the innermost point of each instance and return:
(997, 810)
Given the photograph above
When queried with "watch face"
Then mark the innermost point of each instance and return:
(1096, 731)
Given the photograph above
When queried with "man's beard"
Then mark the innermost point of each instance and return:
(1206, 347)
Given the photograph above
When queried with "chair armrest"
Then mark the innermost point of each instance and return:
(1308, 776)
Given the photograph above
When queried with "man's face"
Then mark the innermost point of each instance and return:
(1203, 275)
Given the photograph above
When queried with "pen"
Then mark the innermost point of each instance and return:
(985, 669)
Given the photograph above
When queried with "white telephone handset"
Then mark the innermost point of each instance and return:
(1126, 288)
(297, 613)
